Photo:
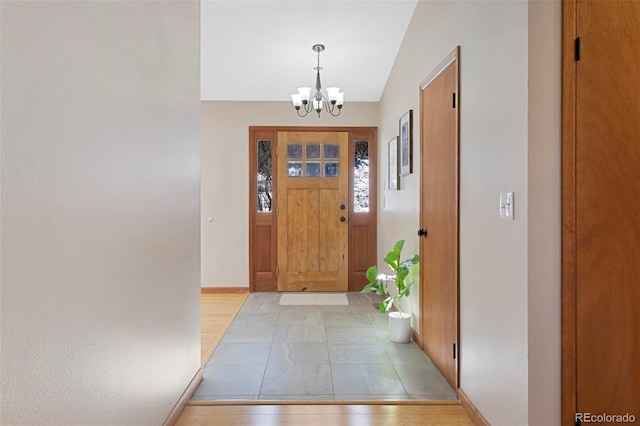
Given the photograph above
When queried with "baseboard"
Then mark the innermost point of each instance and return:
(473, 413)
(224, 290)
(416, 337)
(175, 414)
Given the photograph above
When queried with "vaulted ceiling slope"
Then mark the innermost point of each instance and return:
(261, 50)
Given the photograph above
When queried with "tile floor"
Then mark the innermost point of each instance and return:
(273, 352)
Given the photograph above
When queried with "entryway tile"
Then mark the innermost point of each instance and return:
(305, 379)
(357, 353)
(347, 319)
(365, 379)
(424, 381)
(298, 316)
(355, 334)
(299, 333)
(406, 353)
(241, 354)
(382, 397)
(299, 353)
(254, 322)
(225, 380)
(273, 352)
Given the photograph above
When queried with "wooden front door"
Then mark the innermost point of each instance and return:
(601, 205)
(439, 217)
(312, 211)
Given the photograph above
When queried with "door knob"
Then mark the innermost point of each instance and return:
(342, 218)
(422, 232)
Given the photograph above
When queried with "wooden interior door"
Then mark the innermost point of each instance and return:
(601, 205)
(439, 217)
(312, 211)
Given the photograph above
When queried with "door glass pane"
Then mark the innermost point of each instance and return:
(331, 150)
(294, 169)
(313, 150)
(294, 150)
(361, 177)
(313, 169)
(264, 176)
(330, 169)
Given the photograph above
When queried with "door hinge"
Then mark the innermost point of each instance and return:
(277, 150)
(454, 351)
(454, 99)
(277, 271)
(577, 48)
(277, 211)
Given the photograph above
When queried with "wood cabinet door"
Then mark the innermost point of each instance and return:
(312, 212)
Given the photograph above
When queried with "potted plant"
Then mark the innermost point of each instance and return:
(399, 322)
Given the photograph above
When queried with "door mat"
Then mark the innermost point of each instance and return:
(314, 299)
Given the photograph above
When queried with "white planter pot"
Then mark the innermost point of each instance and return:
(399, 327)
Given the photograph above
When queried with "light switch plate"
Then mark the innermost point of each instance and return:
(506, 205)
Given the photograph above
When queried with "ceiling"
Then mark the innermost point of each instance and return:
(261, 50)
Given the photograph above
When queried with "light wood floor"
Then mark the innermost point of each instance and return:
(217, 312)
(335, 415)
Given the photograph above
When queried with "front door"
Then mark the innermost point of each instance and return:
(439, 217)
(312, 211)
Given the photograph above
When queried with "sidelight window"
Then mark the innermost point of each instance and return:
(361, 177)
(265, 175)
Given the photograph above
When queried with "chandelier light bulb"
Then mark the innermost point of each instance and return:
(297, 100)
(305, 94)
(332, 94)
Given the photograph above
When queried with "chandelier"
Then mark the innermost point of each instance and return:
(304, 102)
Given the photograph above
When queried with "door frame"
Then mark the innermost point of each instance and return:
(569, 235)
(267, 280)
(453, 56)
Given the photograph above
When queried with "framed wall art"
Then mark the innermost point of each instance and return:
(394, 181)
(406, 143)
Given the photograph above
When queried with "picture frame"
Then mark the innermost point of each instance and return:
(406, 143)
(394, 177)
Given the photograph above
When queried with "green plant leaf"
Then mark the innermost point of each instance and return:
(392, 259)
(372, 274)
(369, 288)
(385, 305)
(398, 247)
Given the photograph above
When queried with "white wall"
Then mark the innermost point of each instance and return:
(225, 177)
(100, 210)
(545, 222)
(494, 138)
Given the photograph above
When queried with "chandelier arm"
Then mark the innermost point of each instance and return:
(331, 109)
